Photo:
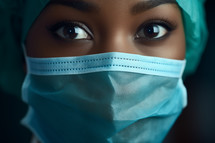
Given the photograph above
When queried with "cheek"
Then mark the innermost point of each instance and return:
(180, 46)
(36, 41)
(172, 47)
(176, 46)
(178, 42)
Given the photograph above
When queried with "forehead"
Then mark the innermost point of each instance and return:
(160, 1)
(118, 1)
(95, 5)
(34, 7)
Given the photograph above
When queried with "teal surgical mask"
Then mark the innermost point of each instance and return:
(107, 97)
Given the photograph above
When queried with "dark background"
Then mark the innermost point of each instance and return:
(197, 122)
(195, 125)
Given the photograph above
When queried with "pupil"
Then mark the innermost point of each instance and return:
(151, 31)
(69, 32)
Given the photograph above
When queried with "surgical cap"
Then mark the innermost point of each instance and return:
(18, 16)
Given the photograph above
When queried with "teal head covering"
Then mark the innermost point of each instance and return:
(195, 31)
(11, 37)
(11, 58)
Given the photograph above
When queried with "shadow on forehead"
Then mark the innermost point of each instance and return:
(149, 4)
(89, 6)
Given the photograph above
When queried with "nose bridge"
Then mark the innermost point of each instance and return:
(116, 39)
(116, 35)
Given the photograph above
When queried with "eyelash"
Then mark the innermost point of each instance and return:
(165, 23)
(67, 23)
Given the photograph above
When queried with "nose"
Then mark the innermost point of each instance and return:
(116, 40)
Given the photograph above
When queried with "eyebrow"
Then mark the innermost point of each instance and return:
(84, 6)
(149, 4)
(77, 4)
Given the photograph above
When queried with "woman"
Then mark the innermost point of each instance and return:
(108, 71)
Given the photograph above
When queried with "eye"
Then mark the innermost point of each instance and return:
(71, 31)
(152, 31)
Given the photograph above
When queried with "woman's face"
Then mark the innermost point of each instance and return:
(83, 27)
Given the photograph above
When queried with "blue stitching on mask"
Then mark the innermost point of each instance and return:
(103, 59)
(114, 65)
(106, 62)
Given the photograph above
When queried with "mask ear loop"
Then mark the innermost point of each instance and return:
(25, 56)
(24, 49)
(183, 68)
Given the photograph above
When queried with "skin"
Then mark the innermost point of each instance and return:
(112, 26)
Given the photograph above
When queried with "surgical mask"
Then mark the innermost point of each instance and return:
(108, 97)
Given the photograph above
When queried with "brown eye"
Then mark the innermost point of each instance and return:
(71, 31)
(152, 31)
